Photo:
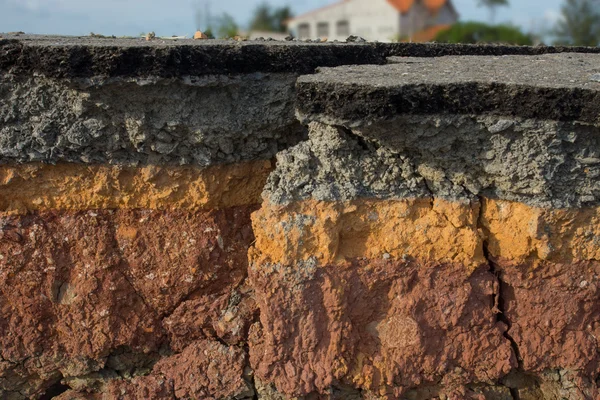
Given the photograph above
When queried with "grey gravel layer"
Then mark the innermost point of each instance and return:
(538, 162)
(189, 120)
(337, 165)
(552, 86)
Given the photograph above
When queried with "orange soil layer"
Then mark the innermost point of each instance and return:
(517, 232)
(333, 232)
(438, 230)
(67, 186)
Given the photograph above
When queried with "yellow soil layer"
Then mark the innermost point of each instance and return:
(332, 232)
(516, 231)
(69, 186)
(440, 231)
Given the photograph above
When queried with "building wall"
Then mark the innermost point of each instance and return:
(373, 20)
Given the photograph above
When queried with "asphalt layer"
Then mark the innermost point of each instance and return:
(65, 57)
(551, 86)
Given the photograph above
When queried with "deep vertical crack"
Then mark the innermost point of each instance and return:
(500, 306)
(501, 316)
(254, 389)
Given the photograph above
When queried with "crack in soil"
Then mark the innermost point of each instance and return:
(499, 301)
(500, 304)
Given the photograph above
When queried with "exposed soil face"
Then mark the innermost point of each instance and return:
(204, 370)
(382, 326)
(76, 287)
(198, 222)
(553, 309)
(81, 187)
(159, 304)
(423, 228)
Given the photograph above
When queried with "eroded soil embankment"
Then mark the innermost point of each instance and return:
(405, 248)
(417, 296)
(130, 272)
(378, 244)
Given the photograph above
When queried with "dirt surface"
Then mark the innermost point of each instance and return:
(204, 370)
(434, 236)
(381, 326)
(81, 187)
(554, 311)
(106, 292)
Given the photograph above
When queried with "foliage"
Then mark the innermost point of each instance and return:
(226, 26)
(270, 19)
(580, 23)
(261, 21)
(280, 15)
(209, 33)
(492, 5)
(478, 32)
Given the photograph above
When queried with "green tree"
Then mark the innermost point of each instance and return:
(262, 20)
(270, 19)
(209, 33)
(226, 26)
(280, 15)
(492, 5)
(478, 32)
(579, 24)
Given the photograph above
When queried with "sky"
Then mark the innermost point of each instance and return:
(177, 17)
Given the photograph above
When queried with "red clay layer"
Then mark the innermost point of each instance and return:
(79, 290)
(554, 311)
(379, 325)
(166, 294)
(204, 370)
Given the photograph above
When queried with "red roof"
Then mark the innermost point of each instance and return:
(405, 5)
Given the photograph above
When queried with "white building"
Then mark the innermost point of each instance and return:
(382, 20)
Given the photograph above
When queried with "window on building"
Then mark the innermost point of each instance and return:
(322, 29)
(343, 28)
(304, 31)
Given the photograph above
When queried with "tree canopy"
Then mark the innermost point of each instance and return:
(269, 19)
(280, 15)
(579, 24)
(226, 26)
(478, 32)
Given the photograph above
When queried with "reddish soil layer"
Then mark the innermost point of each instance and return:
(554, 311)
(154, 304)
(113, 291)
(204, 370)
(379, 325)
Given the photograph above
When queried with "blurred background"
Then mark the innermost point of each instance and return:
(569, 22)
